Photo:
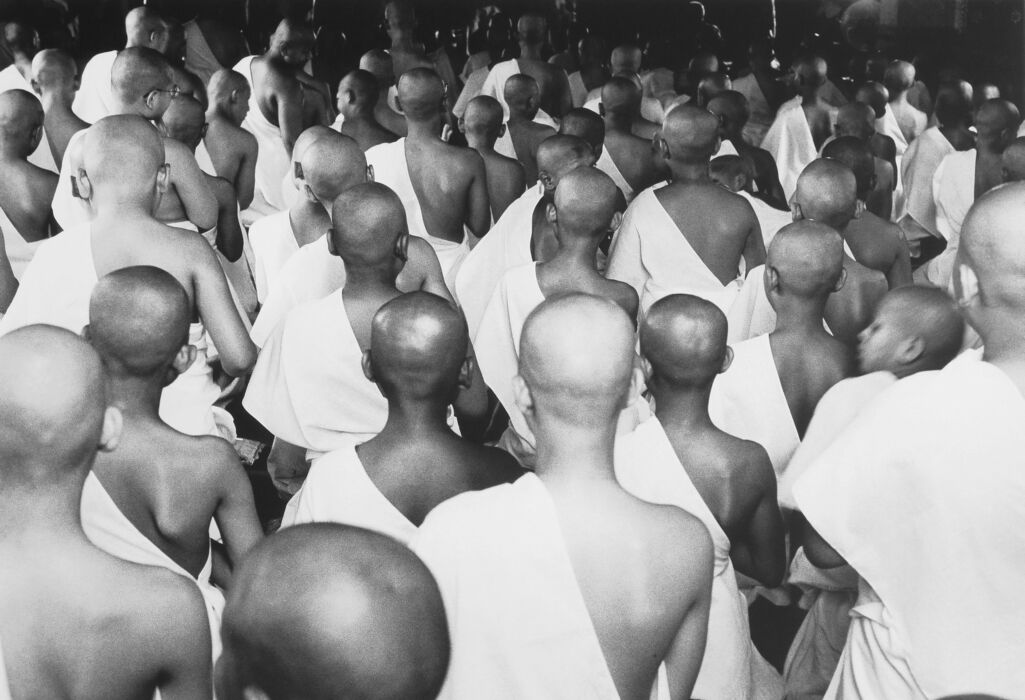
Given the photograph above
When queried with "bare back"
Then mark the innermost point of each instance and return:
(26, 192)
(60, 124)
(451, 187)
(506, 181)
(850, 310)
(233, 152)
(553, 84)
(279, 96)
(366, 133)
(719, 225)
(187, 197)
(808, 365)
(527, 137)
(879, 245)
(820, 120)
(634, 159)
(557, 280)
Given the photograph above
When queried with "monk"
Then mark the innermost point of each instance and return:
(762, 88)
(292, 184)
(418, 359)
(876, 243)
(770, 391)
(795, 137)
(22, 43)
(613, 587)
(95, 99)
(55, 79)
(585, 212)
(142, 86)
(151, 500)
(211, 43)
(232, 149)
(408, 52)
(737, 175)
(25, 190)
(552, 81)
(965, 175)
(827, 193)
(309, 605)
(318, 400)
(357, 95)
(625, 62)
(482, 125)
(588, 125)
(887, 140)
(703, 255)
(443, 188)
(523, 234)
(522, 96)
(60, 594)
(856, 120)
(1013, 160)
(733, 111)
(869, 491)
(680, 458)
(899, 79)
(121, 177)
(627, 159)
(380, 65)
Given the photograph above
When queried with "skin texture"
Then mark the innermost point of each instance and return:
(27, 190)
(732, 109)
(357, 94)
(54, 78)
(524, 98)
(620, 106)
(482, 125)
(556, 156)
(232, 149)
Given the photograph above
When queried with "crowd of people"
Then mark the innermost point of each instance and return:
(568, 359)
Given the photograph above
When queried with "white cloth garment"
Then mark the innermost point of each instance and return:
(12, 79)
(308, 386)
(5, 688)
(761, 118)
(917, 169)
(505, 246)
(338, 490)
(272, 161)
(577, 89)
(273, 241)
(647, 467)
(770, 219)
(747, 401)
(494, 85)
(391, 169)
(953, 191)
(608, 166)
(471, 89)
(19, 251)
(519, 625)
(790, 141)
(199, 58)
(923, 495)
(110, 530)
(55, 290)
(95, 97)
(887, 126)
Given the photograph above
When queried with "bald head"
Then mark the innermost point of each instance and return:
(367, 223)
(123, 152)
(317, 608)
(293, 42)
(914, 329)
(811, 73)
(954, 104)
(138, 321)
(52, 407)
(856, 155)
(21, 39)
(137, 72)
(418, 345)
(54, 71)
(331, 165)
(732, 172)
(683, 337)
(560, 154)
(576, 359)
(303, 143)
(531, 29)
(856, 119)
(1013, 160)
(875, 95)
(827, 191)
(690, 135)
(993, 250)
(584, 124)
(228, 92)
(732, 108)
(805, 260)
(21, 122)
(625, 59)
(184, 121)
(586, 201)
(359, 90)
(144, 27)
(898, 78)
(712, 85)
(421, 94)
(522, 94)
(483, 118)
(620, 97)
(379, 64)
(997, 123)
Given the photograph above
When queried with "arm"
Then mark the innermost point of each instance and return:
(190, 182)
(229, 233)
(818, 551)
(8, 284)
(287, 466)
(478, 209)
(767, 177)
(754, 247)
(184, 634)
(236, 510)
(245, 178)
(899, 274)
(218, 312)
(289, 98)
(683, 660)
(759, 549)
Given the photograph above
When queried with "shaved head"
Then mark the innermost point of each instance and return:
(418, 344)
(379, 64)
(586, 201)
(138, 321)
(1013, 160)
(421, 94)
(925, 317)
(827, 191)
(333, 164)
(303, 143)
(560, 154)
(576, 359)
(21, 121)
(811, 73)
(805, 259)
(54, 69)
(362, 88)
(875, 95)
(122, 151)
(184, 121)
(732, 108)
(293, 40)
(954, 104)
(856, 155)
(136, 72)
(856, 119)
(483, 116)
(712, 85)
(320, 609)
(531, 29)
(21, 39)
(584, 124)
(732, 172)
(997, 121)
(690, 134)
(683, 337)
(899, 77)
(626, 58)
(225, 82)
(993, 249)
(144, 27)
(621, 96)
(52, 404)
(522, 94)
(367, 222)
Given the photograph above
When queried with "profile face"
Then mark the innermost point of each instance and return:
(879, 343)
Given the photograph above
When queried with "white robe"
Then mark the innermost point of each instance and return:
(308, 386)
(790, 141)
(505, 246)
(518, 622)
(95, 97)
(953, 191)
(577, 89)
(111, 530)
(5, 688)
(272, 160)
(19, 251)
(647, 467)
(887, 126)
(608, 166)
(338, 490)
(924, 495)
(917, 169)
(747, 401)
(12, 79)
(391, 169)
(273, 241)
(770, 219)
(494, 85)
(68, 210)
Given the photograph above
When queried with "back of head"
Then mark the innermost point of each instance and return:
(926, 315)
(307, 138)
(875, 95)
(522, 94)
(621, 97)
(531, 29)
(52, 405)
(293, 41)
(811, 72)
(320, 611)
(138, 321)
(732, 108)
(483, 116)
(807, 259)
(21, 118)
(123, 151)
(400, 16)
(560, 154)
(827, 191)
(712, 85)
(690, 135)
(421, 94)
(418, 344)
(626, 59)
(53, 69)
(993, 250)
(683, 338)
(954, 104)
(732, 172)
(585, 203)
(703, 64)
(584, 124)
(856, 119)
(138, 71)
(379, 64)
(997, 122)
(1013, 160)
(576, 358)
(185, 121)
(856, 155)
(144, 27)
(332, 164)
(21, 39)
(362, 86)
(367, 222)
(899, 77)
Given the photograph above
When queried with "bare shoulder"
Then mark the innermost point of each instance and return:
(681, 542)
(209, 459)
(502, 467)
(625, 296)
(749, 463)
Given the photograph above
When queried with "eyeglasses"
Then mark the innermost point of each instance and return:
(174, 91)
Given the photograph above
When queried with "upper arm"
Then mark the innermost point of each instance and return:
(199, 202)
(683, 660)
(765, 533)
(819, 552)
(424, 263)
(289, 98)
(185, 654)
(478, 215)
(236, 512)
(218, 312)
(245, 179)
(754, 247)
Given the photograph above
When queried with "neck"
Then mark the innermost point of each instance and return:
(316, 210)
(429, 129)
(361, 115)
(991, 147)
(575, 453)
(123, 205)
(369, 279)
(531, 52)
(54, 100)
(1004, 338)
(44, 513)
(24, 65)
(520, 116)
(410, 419)
(810, 97)
(481, 143)
(899, 98)
(800, 315)
(618, 122)
(135, 396)
(689, 172)
(13, 151)
(576, 253)
(682, 407)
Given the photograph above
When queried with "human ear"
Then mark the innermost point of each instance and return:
(522, 397)
(727, 359)
(368, 370)
(551, 215)
(842, 281)
(182, 361)
(466, 373)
